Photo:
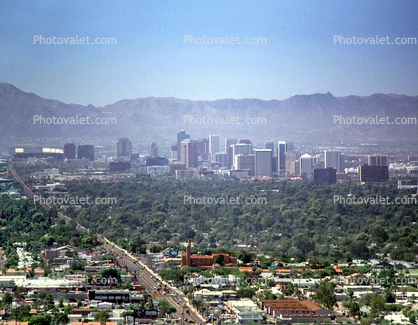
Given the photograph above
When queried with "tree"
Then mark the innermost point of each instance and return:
(102, 316)
(62, 318)
(245, 292)
(324, 294)
(111, 273)
(289, 289)
(41, 320)
(377, 305)
(354, 309)
(219, 260)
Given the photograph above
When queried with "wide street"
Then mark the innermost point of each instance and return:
(151, 281)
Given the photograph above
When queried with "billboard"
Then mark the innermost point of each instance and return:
(171, 253)
(142, 313)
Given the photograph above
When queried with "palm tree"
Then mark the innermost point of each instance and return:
(351, 294)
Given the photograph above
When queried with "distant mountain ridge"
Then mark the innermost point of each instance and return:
(301, 117)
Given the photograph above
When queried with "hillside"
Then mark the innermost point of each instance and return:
(302, 117)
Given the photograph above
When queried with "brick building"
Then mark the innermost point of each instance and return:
(303, 311)
(206, 261)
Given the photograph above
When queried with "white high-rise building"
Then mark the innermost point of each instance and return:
(306, 165)
(333, 158)
(263, 162)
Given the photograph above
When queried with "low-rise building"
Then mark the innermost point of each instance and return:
(303, 311)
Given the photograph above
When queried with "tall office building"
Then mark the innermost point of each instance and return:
(375, 160)
(263, 162)
(246, 162)
(273, 164)
(69, 151)
(306, 165)
(85, 152)
(281, 149)
(221, 157)
(173, 152)
(245, 141)
(270, 145)
(203, 145)
(229, 151)
(214, 144)
(124, 149)
(180, 137)
(189, 153)
(292, 162)
(154, 149)
(203, 148)
(229, 142)
(230, 157)
(241, 148)
(333, 158)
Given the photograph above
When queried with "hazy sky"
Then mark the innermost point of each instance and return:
(151, 59)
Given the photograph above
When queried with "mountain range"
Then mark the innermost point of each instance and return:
(311, 118)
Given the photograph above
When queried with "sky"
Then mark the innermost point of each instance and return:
(296, 50)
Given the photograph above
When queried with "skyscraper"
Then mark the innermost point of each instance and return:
(333, 158)
(229, 142)
(281, 149)
(189, 153)
(245, 162)
(240, 148)
(214, 144)
(221, 157)
(124, 149)
(180, 137)
(245, 141)
(263, 162)
(69, 151)
(306, 165)
(292, 162)
(375, 160)
(230, 157)
(173, 152)
(203, 146)
(85, 152)
(229, 151)
(270, 145)
(154, 149)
